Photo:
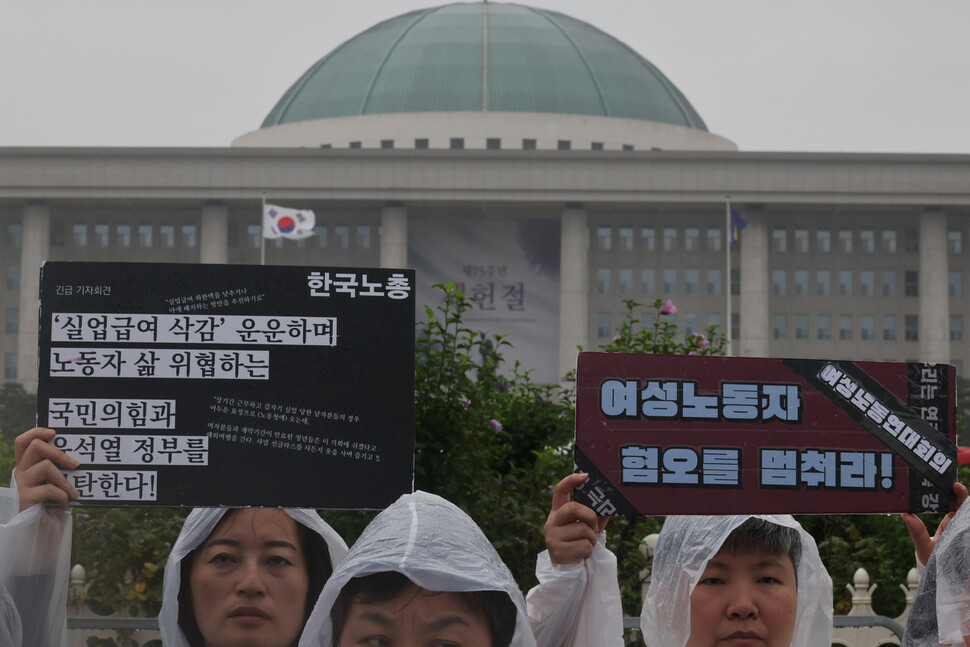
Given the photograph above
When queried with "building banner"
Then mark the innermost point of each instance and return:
(223, 385)
(678, 434)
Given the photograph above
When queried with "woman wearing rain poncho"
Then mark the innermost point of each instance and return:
(421, 570)
(941, 610)
(718, 577)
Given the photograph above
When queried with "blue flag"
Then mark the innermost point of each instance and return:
(737, 224)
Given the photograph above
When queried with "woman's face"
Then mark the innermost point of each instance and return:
(745, 599)
(249, 581)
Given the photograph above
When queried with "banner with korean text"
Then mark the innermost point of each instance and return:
(676, 434)
(230, 385)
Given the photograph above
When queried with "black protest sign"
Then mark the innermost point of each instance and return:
(230, 385)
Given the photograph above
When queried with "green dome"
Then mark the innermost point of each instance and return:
(431, 60)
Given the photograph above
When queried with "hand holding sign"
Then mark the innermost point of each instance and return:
(571, 527)
(922, 541)
(37, 474)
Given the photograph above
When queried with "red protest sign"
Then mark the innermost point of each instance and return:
(676, 434)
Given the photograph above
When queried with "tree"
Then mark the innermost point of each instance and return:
(17, 410)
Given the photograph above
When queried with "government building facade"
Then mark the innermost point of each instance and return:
(551, 171)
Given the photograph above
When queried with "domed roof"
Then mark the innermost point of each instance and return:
(484, 57)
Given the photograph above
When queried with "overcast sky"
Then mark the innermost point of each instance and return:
(824, 75)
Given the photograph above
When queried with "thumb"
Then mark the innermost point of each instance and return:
(561, 493)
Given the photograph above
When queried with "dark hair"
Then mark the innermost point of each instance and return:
(495, 608)
(316, 556)
(757, 534)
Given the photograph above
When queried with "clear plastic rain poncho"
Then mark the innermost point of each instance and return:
(197, 527)
(434, 544)
(10, 630)
(941, 609)
(685, 546)
(35, 562)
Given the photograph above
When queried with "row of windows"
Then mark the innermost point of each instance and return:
(847, 286)
(847, 330)
(713, 286)
(491, 143)
(625, 239)
(846, 241)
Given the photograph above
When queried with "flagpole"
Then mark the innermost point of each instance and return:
(727, 273)
(262, 232)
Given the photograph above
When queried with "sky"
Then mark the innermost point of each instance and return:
(770, 75)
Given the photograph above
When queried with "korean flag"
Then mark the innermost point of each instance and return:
(281, 222)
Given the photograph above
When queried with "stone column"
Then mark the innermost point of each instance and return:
(934, 301)
(573, 286)
(33, 253)
(394, 236)
(753, 305)
(214, 234)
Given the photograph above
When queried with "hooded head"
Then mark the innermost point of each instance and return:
(685, 547)
(433, 544)
(176, 618)
(941, 609)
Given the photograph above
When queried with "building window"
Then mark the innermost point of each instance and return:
(254, 236)
(779, 327)
(320, 233)
(867, 283)
(341, 237)
(912, 327)
(10, 366)
(911, 283)
(845, 283)
(889, 241)
(954, 242)
(911, 239)
(823, 323)
(123, 235)
(670, 281)
(958, 365)
(956, 328)
(604, 238)
(15, 234)
(955, 284)
(648, 238)
(691, 281)
(421, 143)
(648, 281)
(604, 324)
(628, 147)
(823, 241)
(145, 235)
(625, 235)
(867, 327)
(456, 143)
(12, 321)
(670, 239)
(603, 276)
(845, 327)
(801, 327)
(735, 326)
(692, 239)
(779, 283)
(779, 240)
(80, 235)
(867, 241)
(101, 235)
(528, 144)
(823, 283)
(735, 281)
(57, 233)
(714, 280)
(563, 145)
(845, 241)
(596, 146)
(691, 324)
(800, 281)
(889, 284)
(189, 236)
(714, 237)
(624, 280)
(889, 327)
(363, 237)
(801, 241)
(387, 143)
(714, 320)
(13, 276)
(166, 235)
